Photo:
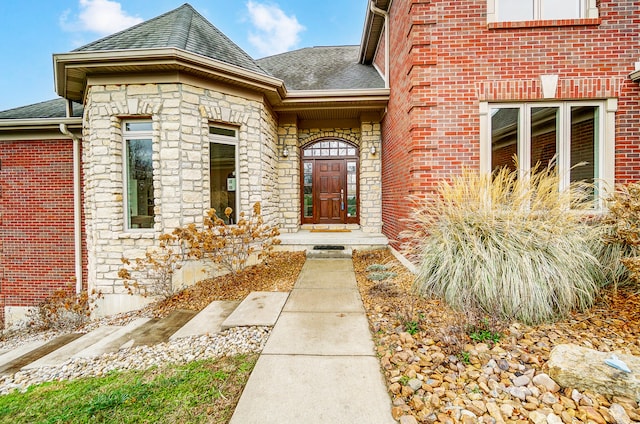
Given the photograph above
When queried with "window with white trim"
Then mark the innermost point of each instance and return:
(530, 10)
(223, 171)
(568, 135)
(138, 174)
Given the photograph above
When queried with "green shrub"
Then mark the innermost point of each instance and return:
(382, 275)
(376, 267)
(508, 245)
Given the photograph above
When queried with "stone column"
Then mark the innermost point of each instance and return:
(370, 174)
(289, 173)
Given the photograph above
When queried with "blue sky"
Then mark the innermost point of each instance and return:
(33, 30)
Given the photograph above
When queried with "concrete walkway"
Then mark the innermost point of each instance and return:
(318, 365)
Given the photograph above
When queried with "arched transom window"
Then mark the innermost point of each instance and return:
(330, 148)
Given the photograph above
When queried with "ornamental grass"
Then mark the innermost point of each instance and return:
(512, 247)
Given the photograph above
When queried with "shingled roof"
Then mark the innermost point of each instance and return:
(322, 68)
(56, 108)
(183, 28)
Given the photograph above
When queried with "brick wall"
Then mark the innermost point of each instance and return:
(36, 225)
(446, 59)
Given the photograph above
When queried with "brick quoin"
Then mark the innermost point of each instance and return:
(36, 230)
(446, 58)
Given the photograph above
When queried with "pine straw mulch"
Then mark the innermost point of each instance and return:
(279, 273)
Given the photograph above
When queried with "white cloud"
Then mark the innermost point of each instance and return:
(103, 17)
(274, 32)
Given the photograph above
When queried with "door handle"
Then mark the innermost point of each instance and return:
(341, 199)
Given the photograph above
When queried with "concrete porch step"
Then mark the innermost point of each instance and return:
(353, 239)
(330, 251)
(329, 227)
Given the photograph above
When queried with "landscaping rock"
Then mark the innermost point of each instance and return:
(584, 369)
(408, 419)
(546, 382)
(618, 414)
(464, 381)
(553, 419)
(520, 381)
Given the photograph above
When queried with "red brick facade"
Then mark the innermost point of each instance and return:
(36, 225)
(446, 59)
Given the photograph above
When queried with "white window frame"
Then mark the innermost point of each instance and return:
(588, 8)
(605, 133)
(126, 136)
(230, 141)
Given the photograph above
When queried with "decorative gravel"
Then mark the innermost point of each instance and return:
(235, 341)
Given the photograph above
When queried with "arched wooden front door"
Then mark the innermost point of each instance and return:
(330, 182)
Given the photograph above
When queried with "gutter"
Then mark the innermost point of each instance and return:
(37, 123)
(377, 11)
(77, 205)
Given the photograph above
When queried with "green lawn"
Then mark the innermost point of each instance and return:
(204, 391)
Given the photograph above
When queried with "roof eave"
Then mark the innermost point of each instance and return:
(338, 95)
(37, 128)
(635, 76)
(38, 123)
(302, 101)
(148, 58)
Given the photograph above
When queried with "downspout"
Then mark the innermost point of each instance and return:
(377, 11)
(77, 204)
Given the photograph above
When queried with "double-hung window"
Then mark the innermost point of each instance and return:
(138, 174)
(223, 171)
(568, 135)
(531, 10)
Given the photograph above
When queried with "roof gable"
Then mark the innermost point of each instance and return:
(182, 28)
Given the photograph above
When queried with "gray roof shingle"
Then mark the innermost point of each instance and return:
(322, 68)
(55, 108)
(182, 28)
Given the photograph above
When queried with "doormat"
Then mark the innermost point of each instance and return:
(330, 230)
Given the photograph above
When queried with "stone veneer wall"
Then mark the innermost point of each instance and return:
(294, 138)
(181, 115)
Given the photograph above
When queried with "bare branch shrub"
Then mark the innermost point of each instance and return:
(228, 246)
(63, 310)
(623, 229)
(152, 275)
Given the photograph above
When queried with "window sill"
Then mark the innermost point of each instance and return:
(544, 23)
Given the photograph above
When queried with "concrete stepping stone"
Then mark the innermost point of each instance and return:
(208, 321)
(13, 354)
(63, 353)
(35, 354)
(106, 344)
(157, 330)
(257, 309)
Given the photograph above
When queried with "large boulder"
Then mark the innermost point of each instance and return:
(585, 369)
